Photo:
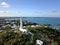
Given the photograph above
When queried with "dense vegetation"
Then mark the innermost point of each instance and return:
(48, 35)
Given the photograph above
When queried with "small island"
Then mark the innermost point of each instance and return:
(10, 34)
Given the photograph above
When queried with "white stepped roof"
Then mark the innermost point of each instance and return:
(23, 30)
(39, 42)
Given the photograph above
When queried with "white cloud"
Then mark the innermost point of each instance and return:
(8, 14)
(1, 11)
(4, 4)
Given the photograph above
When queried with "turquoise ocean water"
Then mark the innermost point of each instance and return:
(41, 20)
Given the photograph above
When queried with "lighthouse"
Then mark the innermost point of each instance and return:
(21, 26)
(21, 23)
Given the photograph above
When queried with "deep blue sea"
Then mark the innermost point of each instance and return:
(41, 20)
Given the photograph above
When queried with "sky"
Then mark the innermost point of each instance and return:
(30, 8)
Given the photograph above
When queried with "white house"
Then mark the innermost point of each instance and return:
(39, 42)
(14, 26)
(1, 30)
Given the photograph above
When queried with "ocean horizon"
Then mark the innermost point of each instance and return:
(39, 20)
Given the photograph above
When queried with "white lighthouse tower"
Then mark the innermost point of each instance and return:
(21, 22)
(21, 26)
